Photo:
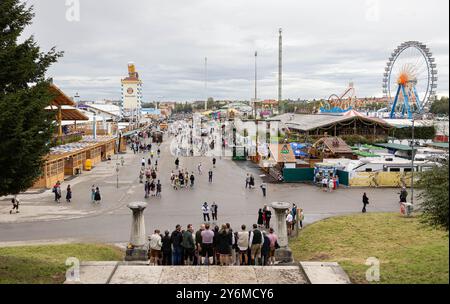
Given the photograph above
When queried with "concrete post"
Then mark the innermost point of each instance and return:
(282, 254)
(138, 247)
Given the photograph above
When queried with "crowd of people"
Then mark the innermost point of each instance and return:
(213, 246)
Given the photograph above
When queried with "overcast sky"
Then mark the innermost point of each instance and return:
(326, 44)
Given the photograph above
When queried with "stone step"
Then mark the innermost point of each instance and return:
(141, 273)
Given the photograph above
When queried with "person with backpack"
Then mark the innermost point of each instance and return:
(255, 244)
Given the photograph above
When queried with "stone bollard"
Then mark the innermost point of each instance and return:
(137, 249)
(282, 254)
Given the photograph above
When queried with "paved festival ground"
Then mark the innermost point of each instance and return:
(42, 219)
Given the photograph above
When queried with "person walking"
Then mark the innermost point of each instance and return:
(146, 189)
(143, 162)
(210, 175)
(15, 202)
(93, 194)
(247, 181)
(260, 220)
(301, 217)
(176, 239)
(268, 216)
(192, 178)
(97, 196)
(365, 201)
(58, 193)
(158, 189)
(199, 168)
(214, 162)
(205, 211)
(273, 239)
(403, 195)
(255, 244)
(55, 191)
(68, 194)
(243, 244)
(289, 220)
(214, 208)
(155, 242)
(188, 244)
(252, 181)
(166, 249)
(207, 253)
(177, 163)
(264, 188)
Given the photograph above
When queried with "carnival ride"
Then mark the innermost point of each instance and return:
(341, 103)
(410, 79)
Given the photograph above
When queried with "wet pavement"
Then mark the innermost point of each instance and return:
(110, 221)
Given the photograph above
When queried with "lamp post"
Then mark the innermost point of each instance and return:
(256, 90)
(412, 144)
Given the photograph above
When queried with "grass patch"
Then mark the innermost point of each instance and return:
(408, 251)
(46, 264)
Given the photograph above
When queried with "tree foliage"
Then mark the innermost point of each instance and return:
(440, 106)
(434, 206)
(25, 126)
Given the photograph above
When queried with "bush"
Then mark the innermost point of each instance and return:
(434, 205)
(419, 132)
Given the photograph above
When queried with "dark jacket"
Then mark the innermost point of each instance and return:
(166, 242)
(188, 240)
(266, 246)
(176, 238)
(224, 240)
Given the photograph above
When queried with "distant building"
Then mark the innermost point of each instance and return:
(131, 100)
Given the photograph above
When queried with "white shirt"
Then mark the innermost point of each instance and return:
(205, 209)
(289, 218)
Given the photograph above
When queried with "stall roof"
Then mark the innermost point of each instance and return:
(60, 97)
(307, 122)
(440, 145)
(69, 113)
(393, 146)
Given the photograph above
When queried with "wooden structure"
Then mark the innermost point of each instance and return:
(64, 108)
(59, 165)
(331, 147)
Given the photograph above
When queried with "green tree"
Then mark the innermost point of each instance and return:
(440, 106)
(434, 206)
(25, 126)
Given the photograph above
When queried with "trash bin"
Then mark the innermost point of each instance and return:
(88, 164)
(406, 209)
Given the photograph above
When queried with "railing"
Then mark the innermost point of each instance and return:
(66, 139)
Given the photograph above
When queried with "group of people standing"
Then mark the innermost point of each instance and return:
(213, 246)
(264, 216)
(294, 219)
(58, 193)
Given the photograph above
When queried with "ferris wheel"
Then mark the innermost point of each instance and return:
(410, 79)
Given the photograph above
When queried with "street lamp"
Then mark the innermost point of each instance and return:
(412, 145)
